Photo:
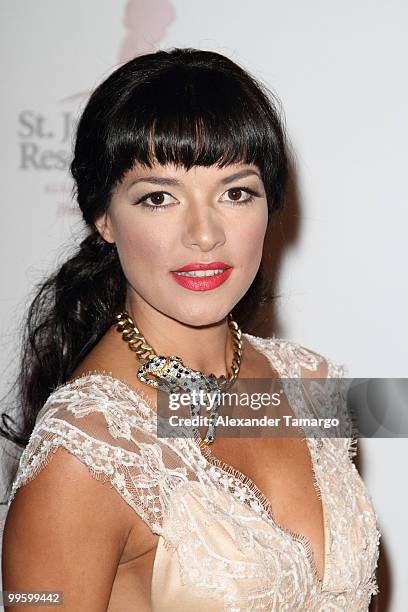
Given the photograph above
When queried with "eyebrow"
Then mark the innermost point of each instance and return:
(159, 180)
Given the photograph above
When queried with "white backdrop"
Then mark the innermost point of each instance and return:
(339, 69)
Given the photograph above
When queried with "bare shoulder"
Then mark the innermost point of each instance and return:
(65, 531)
(112, 356)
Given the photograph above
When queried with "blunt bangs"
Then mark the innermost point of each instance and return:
(183, 107)
(193, 117)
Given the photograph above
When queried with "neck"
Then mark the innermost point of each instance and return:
(208, 348)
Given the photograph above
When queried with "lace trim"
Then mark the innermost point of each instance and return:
(75, 382)
(267, 506)
(105, 463)
(310, 363)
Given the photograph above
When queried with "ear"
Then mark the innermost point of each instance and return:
(103, 226)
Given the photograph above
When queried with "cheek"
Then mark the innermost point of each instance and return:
(248, 239)
(143, 247)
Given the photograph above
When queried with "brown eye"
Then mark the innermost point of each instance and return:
(157, 198)
(234, 194)
(240, 195)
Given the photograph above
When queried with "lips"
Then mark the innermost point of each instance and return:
(202, 283)
(213, 265)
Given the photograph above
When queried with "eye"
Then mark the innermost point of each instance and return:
(157, 200)
(235, 195)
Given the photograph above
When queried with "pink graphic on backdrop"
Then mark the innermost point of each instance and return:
(145, 23)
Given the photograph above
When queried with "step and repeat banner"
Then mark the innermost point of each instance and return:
(339, 70)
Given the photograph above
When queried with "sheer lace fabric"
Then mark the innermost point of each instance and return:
(219, 546)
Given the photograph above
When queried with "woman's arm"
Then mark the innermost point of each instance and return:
(65, 531)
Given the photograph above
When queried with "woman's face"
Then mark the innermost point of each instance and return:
(163, 218)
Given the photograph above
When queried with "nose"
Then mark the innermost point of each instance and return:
(203, 228)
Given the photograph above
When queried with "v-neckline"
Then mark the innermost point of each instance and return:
(231, 470)
(266, 504)
(265, 501)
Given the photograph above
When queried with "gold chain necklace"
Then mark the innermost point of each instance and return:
(168, 372)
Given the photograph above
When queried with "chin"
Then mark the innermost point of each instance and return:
(203, 316)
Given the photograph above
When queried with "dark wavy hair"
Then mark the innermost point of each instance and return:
(183, 106)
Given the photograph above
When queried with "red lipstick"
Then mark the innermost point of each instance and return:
(203, 283)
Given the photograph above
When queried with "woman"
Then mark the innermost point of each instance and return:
(179, 165)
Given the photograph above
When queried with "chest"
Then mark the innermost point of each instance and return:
(281, 474)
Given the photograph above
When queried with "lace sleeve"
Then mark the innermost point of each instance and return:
(330, 396)
(349, 428)
(322, 391)
(113, 432)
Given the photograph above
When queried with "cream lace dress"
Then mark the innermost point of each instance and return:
(219, 548)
